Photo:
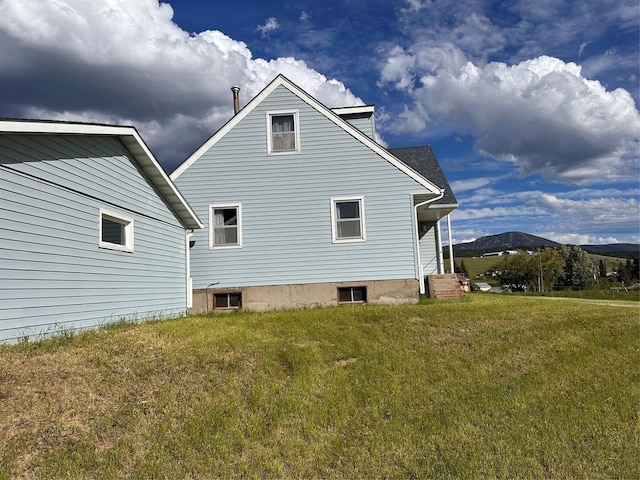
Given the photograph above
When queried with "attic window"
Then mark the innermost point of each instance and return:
(283, 133)
(116, 232)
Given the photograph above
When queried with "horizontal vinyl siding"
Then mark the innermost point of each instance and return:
(365, 125)
(94, 165)
(53, 274)
(428, 251)
(286, 207)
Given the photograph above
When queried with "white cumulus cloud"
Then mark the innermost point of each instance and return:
(122, 61)
(541, 114)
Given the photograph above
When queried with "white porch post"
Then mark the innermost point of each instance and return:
(440, 255)
(451, 264)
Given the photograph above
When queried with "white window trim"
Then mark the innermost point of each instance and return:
(334, 216)
(128, 231)
(214, 206)
(296, 126)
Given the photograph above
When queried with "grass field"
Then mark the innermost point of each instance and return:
(491, 386)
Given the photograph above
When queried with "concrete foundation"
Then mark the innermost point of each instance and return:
(280, 297)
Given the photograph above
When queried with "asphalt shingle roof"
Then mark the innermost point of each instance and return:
(423, 160)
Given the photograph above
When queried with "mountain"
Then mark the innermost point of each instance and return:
(501, 241)
(525, 241)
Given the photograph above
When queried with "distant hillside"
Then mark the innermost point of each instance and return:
(501, 241)
(624, 250)
(525, 241)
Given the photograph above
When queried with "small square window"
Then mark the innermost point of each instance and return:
(352, 294)
(348, 220)
(225, 227)
(116, 232)
(283, 134)
(227, 301)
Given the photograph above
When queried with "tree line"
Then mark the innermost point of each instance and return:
(551, 267)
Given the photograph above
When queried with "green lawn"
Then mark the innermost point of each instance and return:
(491, 386)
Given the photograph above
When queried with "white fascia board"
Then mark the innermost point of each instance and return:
(353, 110)
(47, 127)
(130, 137)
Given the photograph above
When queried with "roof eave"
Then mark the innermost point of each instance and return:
(131, 139)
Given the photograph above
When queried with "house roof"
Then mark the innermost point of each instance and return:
(330, 114)
(131, 139)
(423, 160)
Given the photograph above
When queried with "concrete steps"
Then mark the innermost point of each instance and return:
(444, 286)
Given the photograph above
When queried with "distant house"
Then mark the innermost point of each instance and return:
(91, 229)
(303, 207)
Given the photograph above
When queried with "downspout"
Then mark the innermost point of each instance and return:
(417, 237)
(187, 257)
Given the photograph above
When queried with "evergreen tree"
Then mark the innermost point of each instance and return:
(602, 268)
(463, 269)
(623, 274)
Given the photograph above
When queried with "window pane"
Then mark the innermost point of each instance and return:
(234, 300)
(358, 294)
(344, 295)
(282, 124)
(225, 230)
(349, 229)
(226, 216)
(228, 300)
(348, 209)
(221, 301)
(112, 231)
(230, 235)
(283, 142)
(283, 137)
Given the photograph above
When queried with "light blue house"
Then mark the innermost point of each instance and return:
(303, 207)
(92, 230)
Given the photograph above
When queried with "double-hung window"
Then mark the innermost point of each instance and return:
(225, 226)
(283, 132)
(116, 232)
(347, 220)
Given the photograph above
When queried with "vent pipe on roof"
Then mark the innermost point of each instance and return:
(236, 99)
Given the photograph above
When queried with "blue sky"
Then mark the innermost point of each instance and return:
(531, 107)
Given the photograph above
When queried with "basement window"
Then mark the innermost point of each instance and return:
(116, 232)
(352, 294)
(227, 301)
